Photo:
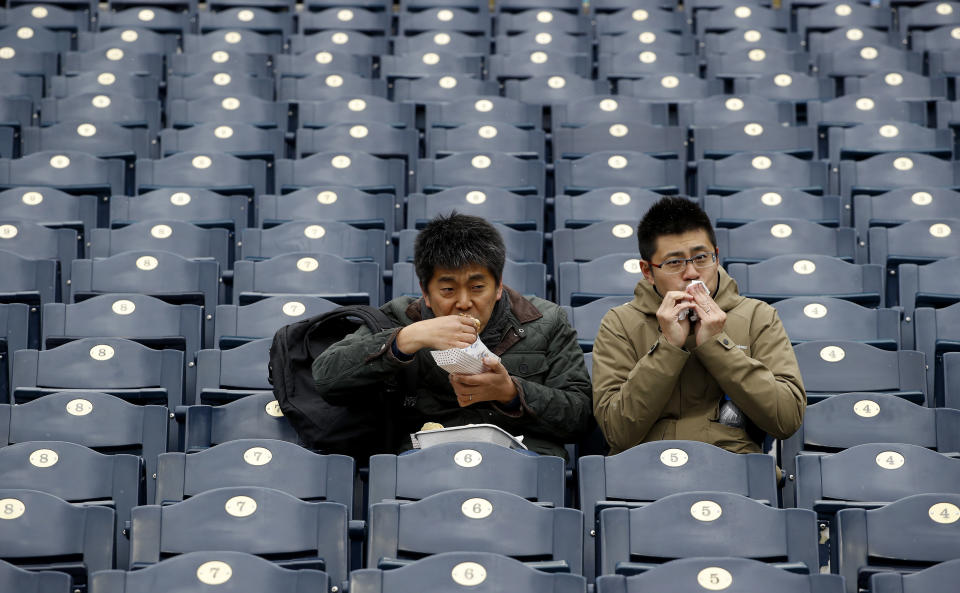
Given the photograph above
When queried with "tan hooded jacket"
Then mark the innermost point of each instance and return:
(647, 389)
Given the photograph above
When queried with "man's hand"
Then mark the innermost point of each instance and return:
(672, 327)
(494, 384)
(712, 319)
(439, 333)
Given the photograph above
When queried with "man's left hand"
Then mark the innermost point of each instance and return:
(711, 320)
(494, 384)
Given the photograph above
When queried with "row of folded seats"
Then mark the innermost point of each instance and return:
(875, 507)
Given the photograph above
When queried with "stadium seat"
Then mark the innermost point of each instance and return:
(50, 207)
(793, 87)
(550, 19)
(316, 274)
(252, 519)
(47, 15)
(444, 88)
(469, 520)
(253, 19)
(173, 236)
(321, 62)
(79, 475)
(786, 276)
(755, 62)
(554, 89)
(644, 64)
(446, 41)
(838, 15)
(619, 169)
(933, 40)
(594, 241)
(498, 169)
(154, 18)
(607, 109)
(938, 575)
(695, 524)
(899, 206)
(353, 42)
(585, 319)
(218, 84)
(762, 239)
(668, 467)
(356, 169)
(344, 19)
(237, 139)
(444, 19)
(628, 19)
(135, 40)
(229, 572)
(226, 375)
(928, 16)
(937, 332)
(737, 39)
(485, 137)
(29, 281)
(751, 576)
(912, 533)
(809, 319)
(528, 278)
(252, 42)
(338, 238)
(764, 203)
(114, 58)
(73, 172)
(530, 63)
(450, 466)
(869, 139)
(864, 60)
(657, 141)
(103, 140)
(615, 274)
(33, 240)
(657, 40)
(257, 462)
(839, 366)
(849, 419)
(14, 335)
(747, 170)
(252, 417)
(45, 533)
(724, 140)
(13, 578)
(614, 203)
(563, 43)
(850, 110)
(360, 109)
(486, 573)
(201, 207)
(25, 62)
(16, 110)
(916, 241)
(906, 86)
(730, 16)
(931, 285)
(496, 205)
(216, 171)
(720, 110)
(346, 204)
(236, 325)
(183, 113)
(473, 110)
(378, 139)
(429, 63)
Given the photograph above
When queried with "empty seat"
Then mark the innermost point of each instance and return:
(668, 467)
(219, 84)
(937, 39)
(728, 16)
(136, 40)
(629, 19)
(760, 37)
(257, 462)
(485, 137)
(316, 274)
(498, 169)
(252, 42)
(444, 19)
(123, 83)
(528, 278)
(14, 578)
(615, 274)
(253, 19)
(721, 110)
(219, 172)
(103, 140)
(658, 141)
(442, 89)
(864, 60)
(906, 86)
(487, 573)
(839, 14)
(32, 63)
(47, 15)
(614, 203)
(353, 42)
(253, 417)
(593, 241)
(360, 109)
(77, 474)
(937, 333)
(227, 375)
(585, 319)
(794, 87)
(346, 204)
(173, 236)
(547, 19)
(786, 276)
(46, 533)
(379, 139)
(722, 141)
(429, 63)
(321, 62)
(644, 64)
(542, 40)
(33, 240)
(200, 207)
(494, 204)
(850, 110)
(448, 41)
(554, 89)
(471, 110)
(608, 109)
(653, 39)
(237, 325)
(471, 520)
(826, 318)
(114, 58)
(755, 62)
(750, 576)
(230, 572)
(932, 285)
(765, 203)
(530, 63)
(344, 19)
(676, 87)
(916, 241)
(619, 169)
(869, 139)
(14, 335)
(928, 579)
(899, 206)
(98, 106)
(450, 466)
(694, 524)
(69, 171)
(927, 16)
(839, 366)
(749, 169)
(763, 239)
(251, 519)
(355, 169)
(849, 419)
(333, 237)
(183, 113)
(154, 18)
(238, 139)
(28, 280)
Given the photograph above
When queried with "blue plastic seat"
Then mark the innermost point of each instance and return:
(692, 524)
(939, 575)
(233, 572)
(253, 19)
(338, 238)
(725, 16)
(824, 42)
(546, 19)
(345, 204)
(442, 89)
(586, 318)
(252, 417)
(494, 204)
(316, 274)
(937, 333)
(251, 42)
(344, 19)
(321, 62)
(654, 39)
(755, 37)
(219, 84)
(378, 139)
(95, 107)
(786, 276)
(722, 141)
(429, 63)
(238, 139)
(232, 62)
(644, 64)
(921, 17)
(46, 533)
(251, 519)
(73, 172)
(50, 207)
(762, 239)
(613, 203)
(840, 14)
(444, 19)
(608, 109)
(353, 42)
(746, 170)
(355, 169)
(868, 59)
(155, 18)
(850, 110)
(615, 274)
(445, 41)
(227, 375)
(756, 62)
(563, 43)
(594, 241)
(668, 467)
(483, 137)
(114, 58)
(200, 207)
(793, 87)
(130, 84)
(494, 168)
(765, 203)
(906, 86)
(554, 89)
(826, 318)
(217, 171)
(237, 325)
(530, 63)
(363, 109)
(934, 40)
(33, 240)
(629, 18)
(137, 40)
(47, 15)
(182, 113)
(720, 110)
(917, 241)
(903, 205)
(658, 141)
(619, 169)
(325, 87)
(470, 520)
(931, 285)
(182, 238)
(25, 62)
(34, 38)
(869, 139)
(840, 366)
(13, 578)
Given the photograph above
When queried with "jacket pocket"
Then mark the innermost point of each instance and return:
(526, 365)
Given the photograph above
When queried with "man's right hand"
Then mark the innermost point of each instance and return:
(672, 328)
(439, 333)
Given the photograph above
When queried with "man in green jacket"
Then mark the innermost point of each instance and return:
(692, 361)
(539, 389)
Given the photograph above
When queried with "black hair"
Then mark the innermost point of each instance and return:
(457, 241)
(671, 215)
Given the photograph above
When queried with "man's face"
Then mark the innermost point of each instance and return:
(471, 290)
(684, 245)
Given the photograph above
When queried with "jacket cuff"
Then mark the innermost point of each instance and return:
(386, 351)
(521, 401)
(717, 346)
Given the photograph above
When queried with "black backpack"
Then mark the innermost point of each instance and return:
(364, 426)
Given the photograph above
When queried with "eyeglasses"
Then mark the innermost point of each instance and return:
(679, 264)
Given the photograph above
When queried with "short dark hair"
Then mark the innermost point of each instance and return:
(671, 215)
(457, 241)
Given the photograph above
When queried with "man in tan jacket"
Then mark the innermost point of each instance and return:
(692, 360)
